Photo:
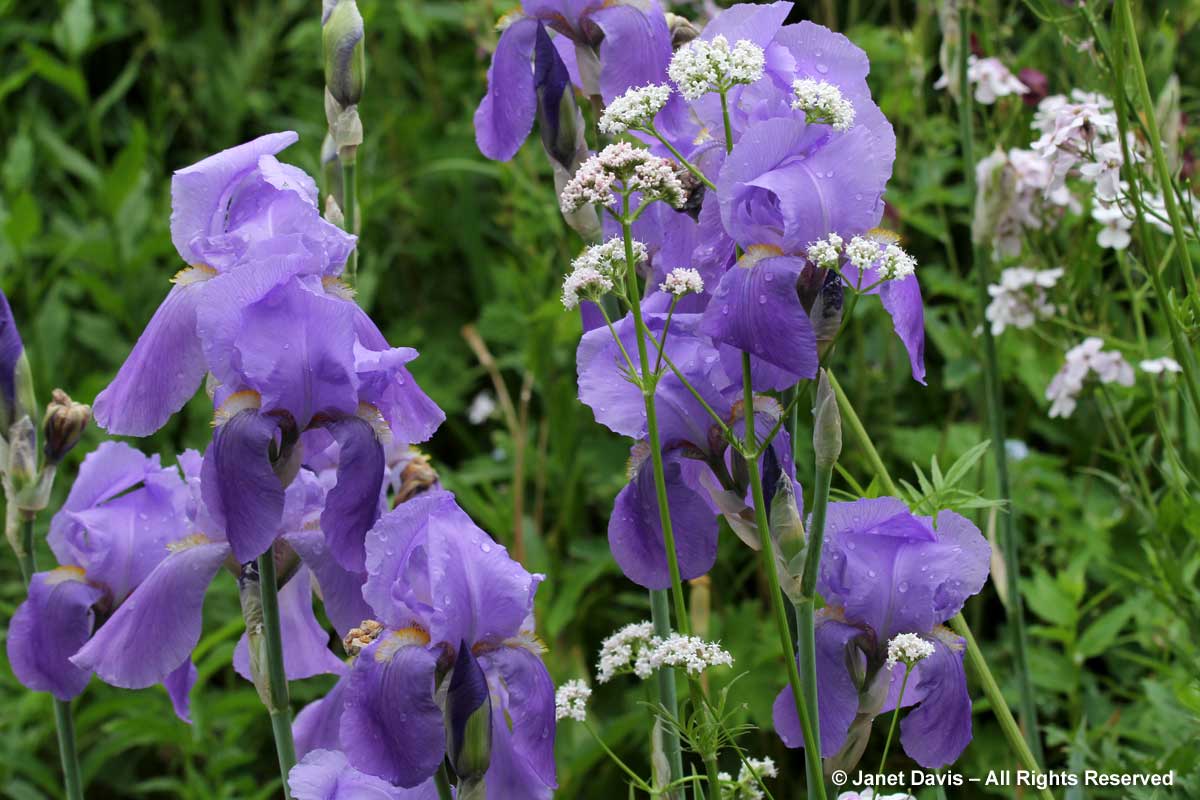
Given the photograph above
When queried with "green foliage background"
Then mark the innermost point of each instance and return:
(100, 101)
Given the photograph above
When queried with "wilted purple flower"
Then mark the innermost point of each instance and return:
(438, 584)
(124, 515)
(606, 48)
(160, 623)
(886, 572)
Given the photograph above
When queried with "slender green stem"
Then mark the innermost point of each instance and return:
(637, 779)
(350, 197)
(279, 705)
(1161, 168)
(25, 557)
(666, 679)
(850, 417)
(991, 689)
(728, 123)
(67, 751)
(442, 781)
(816, 784)
(995, 414)
(689, 166)
(660, 616)
(895, 718)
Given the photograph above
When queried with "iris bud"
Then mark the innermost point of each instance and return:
(468, 717)
(63, 425)
(345, 57)
(827, 425)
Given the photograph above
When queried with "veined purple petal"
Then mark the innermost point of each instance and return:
(523, 725)
(305, 643)
(636, 48)
(352, 506)
(902, 300)
(158, 626)
(505, 115)
(837, 695)
(341, 590)
(179, 688)
(391, 727)
(427, 561)
(318, 725)
(200, 194)
(245, 491)
(814, 46)
(161, 373)
(936, 732)
(53, 622)
(787, 183)
(386, 383)
(757, 309)
(635, 533)
(327, 775)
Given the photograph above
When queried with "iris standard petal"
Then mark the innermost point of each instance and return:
(391, 727)
(158, 626)
(162, 371)
(54, 621)
(505, 115)
(759, 23)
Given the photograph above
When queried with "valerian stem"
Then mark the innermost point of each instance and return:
(995, 412)
(279, 704)
(887, 744)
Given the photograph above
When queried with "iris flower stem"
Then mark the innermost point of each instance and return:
(350, 198)
(995, 413)
(887, 744)
(64, 723)
(279, 707)
(442, 781)
(991, 689)
(816, 786)
(806, 609)
(666, 679)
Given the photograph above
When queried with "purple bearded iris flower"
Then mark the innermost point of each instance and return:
(166, 607)
(884, 572)
(445, 598)
(327, 775)
(704, 475)
(230, 211)
(123, 517)
(605, 46)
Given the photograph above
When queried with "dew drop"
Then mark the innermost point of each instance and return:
(903, 587)
(762, 299)
(858, 196)
(871, 573)
(725, 310)
(769, 277)
(485, 547)
(821, 68)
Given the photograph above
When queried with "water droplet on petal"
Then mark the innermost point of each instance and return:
(762, 298)
(903, 587)
(821, 68)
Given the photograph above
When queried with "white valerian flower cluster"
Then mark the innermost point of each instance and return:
(1159, 366)
(822, 103)
(702, 66)
(619, 651)
(570, 701)
(747, 786)
(890, 260)
(621, 166)
(908, 649)
(678, 651)
(637, 108)
(824, 253)
(991, 79)
(1082, 360)
(681, 281)
(1019, 299)
(597, 270)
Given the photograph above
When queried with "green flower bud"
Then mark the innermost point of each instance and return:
(345, 57)
(250, 594)
(827, 425)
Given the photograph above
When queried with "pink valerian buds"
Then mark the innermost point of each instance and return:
(822, 103)
(681, 281)
(635, 109)
(598, 270)
(622, 169)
